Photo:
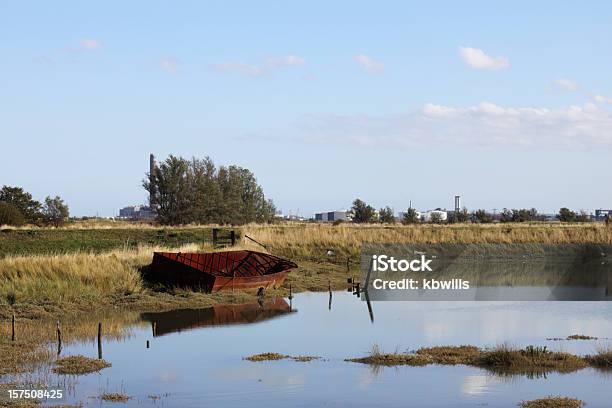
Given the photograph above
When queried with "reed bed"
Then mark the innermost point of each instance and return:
(75, 277)
(307, 239)
(503, 359)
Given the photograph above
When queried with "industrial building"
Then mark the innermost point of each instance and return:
(600, 215)
(332, 216)
(137, 212)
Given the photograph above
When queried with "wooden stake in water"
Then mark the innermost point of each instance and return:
(59, 337)
(100, 341)
(147, 343)
(290, 294)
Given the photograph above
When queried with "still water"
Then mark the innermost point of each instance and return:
(195, 358)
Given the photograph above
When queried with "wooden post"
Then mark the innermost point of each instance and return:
(13, 329)
(147, 343)
(290, 294)
(329, 286)
(154, 324)
(348, 264)
(100, 341)
(233, 237)
(59, 337)
(215, 232)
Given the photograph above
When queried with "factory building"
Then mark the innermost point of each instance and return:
(332, 216)
(136, 212)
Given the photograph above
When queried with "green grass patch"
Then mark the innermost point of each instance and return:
(59, 241)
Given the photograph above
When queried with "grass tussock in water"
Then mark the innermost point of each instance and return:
(450, 355)
(553, 402)
(501, 359)
(602, 359)
(379, 358)
(580, 337)
(79, 365)
(278, 356)
(114, 397)
(531, 358)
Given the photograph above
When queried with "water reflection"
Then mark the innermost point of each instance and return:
(219, 315)
(205, 362)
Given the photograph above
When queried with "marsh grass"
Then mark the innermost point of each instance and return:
(552, 402)
(602, 358)
(503, 358)
(76, 277)
(378, 358)
(580, 337)
(79, 365)
(114, 397)
(529, 359)
(278, 356)
(308, 240)
(449, 355)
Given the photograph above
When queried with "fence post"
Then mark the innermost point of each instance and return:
(215, 231)
(100, 341)
(59, 338)
(13, 329)
(233, 237)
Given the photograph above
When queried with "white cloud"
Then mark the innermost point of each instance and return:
(268, 66)
(477, 59)
(90, 44)
(566, 84)
(370, 65)
(603, 99)
(485, 125)
(169, 65)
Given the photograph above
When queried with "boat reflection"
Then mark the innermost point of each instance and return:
(176, 321)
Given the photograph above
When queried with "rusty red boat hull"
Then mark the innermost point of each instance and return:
(228, 270)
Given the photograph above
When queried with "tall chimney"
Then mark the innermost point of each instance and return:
(152, 170)
(457, 203)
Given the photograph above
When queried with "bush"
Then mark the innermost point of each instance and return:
(10, 215)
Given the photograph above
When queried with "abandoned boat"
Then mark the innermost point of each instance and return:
(217, 271)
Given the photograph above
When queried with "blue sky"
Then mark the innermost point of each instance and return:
(508, 104)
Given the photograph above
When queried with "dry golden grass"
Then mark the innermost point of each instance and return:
(553, 402)
(114, 397)
(266, 357)
(79, 365)
(308, 238)
(76, 277)
(602, 359)
(502, 359)
(450, 355)
(278, 356)
(378, 358)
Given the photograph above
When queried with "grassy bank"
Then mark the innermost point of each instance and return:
(311, 241)
(68, 269)
(45, 241)
(56, 285)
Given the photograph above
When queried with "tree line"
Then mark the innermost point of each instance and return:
(17, 207)
(362, 212)
(197, 191)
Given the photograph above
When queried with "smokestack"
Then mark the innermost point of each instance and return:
(457, 203)
(152, 171)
